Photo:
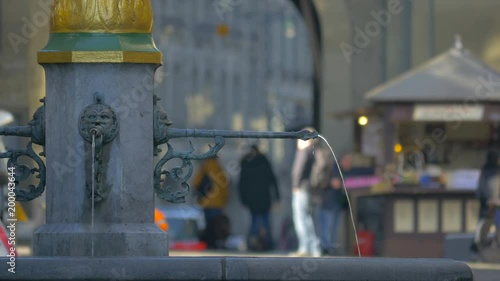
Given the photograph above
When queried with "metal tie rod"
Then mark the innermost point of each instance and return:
(203, 133)
(20, 131)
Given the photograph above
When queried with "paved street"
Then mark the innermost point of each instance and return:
(485, 272)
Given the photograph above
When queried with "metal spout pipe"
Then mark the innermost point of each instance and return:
(196, 133)
(19, 131)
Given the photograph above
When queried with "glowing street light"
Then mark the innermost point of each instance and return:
(362, 120)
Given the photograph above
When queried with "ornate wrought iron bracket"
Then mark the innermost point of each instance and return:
(177, 173)
(163, 134)
(23, 172)
(36, 131)
(99, 123)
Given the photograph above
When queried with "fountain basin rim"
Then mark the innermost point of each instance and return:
(235, 268)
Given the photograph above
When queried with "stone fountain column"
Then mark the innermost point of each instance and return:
(96, 48)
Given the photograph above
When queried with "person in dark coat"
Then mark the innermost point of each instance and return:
(3, 166)
(328, 208)
(258, 190)
(486, 212)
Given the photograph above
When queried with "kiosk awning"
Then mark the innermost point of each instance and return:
(454, 76)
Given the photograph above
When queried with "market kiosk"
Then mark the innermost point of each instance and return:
(439, 120)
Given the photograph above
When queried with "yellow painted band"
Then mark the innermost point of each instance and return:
(102, 16)
(100, 57)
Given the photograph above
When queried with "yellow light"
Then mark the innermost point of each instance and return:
(398, 148)
(222, 30)
(362, 120)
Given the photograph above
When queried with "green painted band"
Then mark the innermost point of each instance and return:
(95, 42)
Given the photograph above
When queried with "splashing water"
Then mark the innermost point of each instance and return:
(92, 198)
(347, 194)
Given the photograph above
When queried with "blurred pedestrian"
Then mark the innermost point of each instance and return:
(494, 204)
(3, 180)
(258, 191)
(217, 232)
(333, 202)
(212, 185)
(487, 193)
(497, 225)
(301, 200)
(329, 206)
(3, 166)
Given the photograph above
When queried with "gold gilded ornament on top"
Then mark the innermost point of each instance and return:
(102, 16)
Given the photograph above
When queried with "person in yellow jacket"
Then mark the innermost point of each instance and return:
(212, 188)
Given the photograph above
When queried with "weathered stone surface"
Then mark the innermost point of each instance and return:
(232, 268)
(352, 269)
(109, 240)
(124, 220)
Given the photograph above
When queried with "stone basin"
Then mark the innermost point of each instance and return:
(235, 268)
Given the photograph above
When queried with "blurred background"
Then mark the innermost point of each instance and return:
(409, 88)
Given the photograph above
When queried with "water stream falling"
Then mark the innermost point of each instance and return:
(347, 194)
(92, 197)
